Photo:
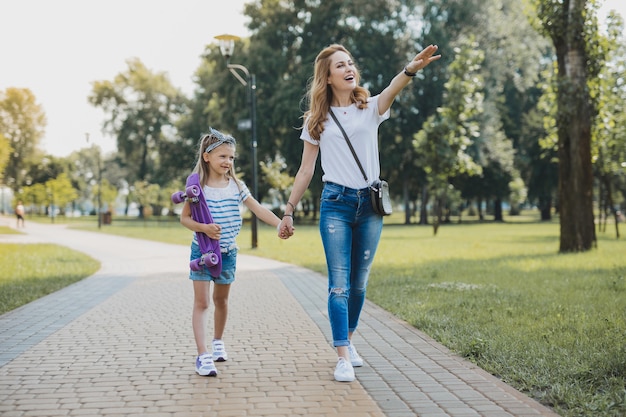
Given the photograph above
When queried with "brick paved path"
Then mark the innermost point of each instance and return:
(119, 343)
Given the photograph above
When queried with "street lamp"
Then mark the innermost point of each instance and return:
(99, 213)
(227, 47)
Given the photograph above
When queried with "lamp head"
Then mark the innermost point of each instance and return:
(227, 45)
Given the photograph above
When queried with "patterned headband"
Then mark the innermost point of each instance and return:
(221, 139)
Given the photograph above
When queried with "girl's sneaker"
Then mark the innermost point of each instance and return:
(205, 365)
(219, 351)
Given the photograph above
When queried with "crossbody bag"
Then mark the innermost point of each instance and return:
(379, 189)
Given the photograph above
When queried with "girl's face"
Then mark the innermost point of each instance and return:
(343, 72)
(220, 159)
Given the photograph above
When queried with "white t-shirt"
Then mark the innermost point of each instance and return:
(361, 126)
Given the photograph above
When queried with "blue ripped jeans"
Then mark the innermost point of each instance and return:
(350, 232)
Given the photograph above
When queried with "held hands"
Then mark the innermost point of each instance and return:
(285, 228)
(422, 59)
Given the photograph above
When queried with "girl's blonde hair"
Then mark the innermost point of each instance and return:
(207, 143)
(320, 94)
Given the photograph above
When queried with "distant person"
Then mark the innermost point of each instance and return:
(19, 213)
(224, 194)
(349, 227)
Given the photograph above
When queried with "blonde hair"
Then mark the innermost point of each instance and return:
(207, 143)
(320, 94)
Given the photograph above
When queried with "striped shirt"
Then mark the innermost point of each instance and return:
(224, 204)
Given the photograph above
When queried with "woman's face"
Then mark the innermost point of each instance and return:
(343, 72)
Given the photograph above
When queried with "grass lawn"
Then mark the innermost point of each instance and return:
(30, 271)
(552, 325)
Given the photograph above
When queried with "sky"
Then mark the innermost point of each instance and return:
(58, 48)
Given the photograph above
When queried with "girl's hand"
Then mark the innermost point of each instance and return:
(213, 230)
(285, 228)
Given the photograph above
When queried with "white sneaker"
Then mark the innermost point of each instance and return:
(355, 358)
(344, 372)
(219, 351)
(205, 365)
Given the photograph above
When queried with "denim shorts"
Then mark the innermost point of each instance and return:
(229, 265)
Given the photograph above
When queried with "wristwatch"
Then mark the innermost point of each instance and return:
(409, 73)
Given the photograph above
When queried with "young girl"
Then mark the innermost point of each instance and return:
(224, 193)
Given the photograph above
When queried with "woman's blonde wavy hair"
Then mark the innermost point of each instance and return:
(320, 94)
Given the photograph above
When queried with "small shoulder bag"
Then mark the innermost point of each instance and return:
(379, 189)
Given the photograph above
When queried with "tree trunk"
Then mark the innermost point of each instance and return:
(545, 208)
(609, 204)
(497, 210)
(574, 150)
(407, 203)
(437, 215)
(424, 206)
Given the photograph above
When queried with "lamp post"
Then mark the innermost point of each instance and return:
(227, 46)
(99, 211)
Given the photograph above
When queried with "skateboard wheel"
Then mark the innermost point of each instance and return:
(193, 191)
(178, 197)
(195, 264)
(211, 259)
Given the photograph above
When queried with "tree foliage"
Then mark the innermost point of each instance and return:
(55, 193)
(5, 153)
(444, 142)
(500, 115)
(609, 130)
(22, 123)
(286, 37)
(538, 146)
(142, 109)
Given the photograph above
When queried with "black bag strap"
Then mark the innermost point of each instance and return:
(349, 144)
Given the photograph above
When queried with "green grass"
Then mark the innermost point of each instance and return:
(551, 325)
(8, 231)
(30, 271)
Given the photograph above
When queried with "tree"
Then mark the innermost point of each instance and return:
(609, 130)
(509, 70)
(46, 168)
(147, 195)
(22, 123)
(446, 137)
(571, 26)
(5, 153)
(538, 146)
(108, 194)
(277, 178)
(142, 109)
(62, 189)
(378, 33)
(35, 196)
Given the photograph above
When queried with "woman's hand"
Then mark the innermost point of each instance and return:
(285, 228)
(422, 59)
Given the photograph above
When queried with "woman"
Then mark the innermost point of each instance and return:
(349, 227)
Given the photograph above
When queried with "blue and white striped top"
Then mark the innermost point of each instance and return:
(224, 204)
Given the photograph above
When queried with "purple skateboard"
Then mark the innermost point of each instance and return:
(210, 248)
